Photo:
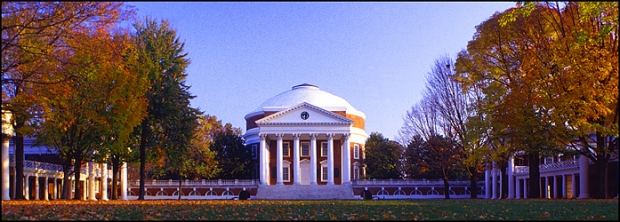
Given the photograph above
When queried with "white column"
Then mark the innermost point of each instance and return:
(487, 182)
(296, 173)
(346, 168)
(124, 181)
(27, 187)
(583, 177)
(6, 183)
(554, 188)
(545, 192)
(104, 181)
(574, 185)
(279, 160)
(36, 186)
(330, 159)
(264, 165)
(525, 188)
(46, 189)
(564, 186)
(313, 159)
(55, 195)
(494, 183)
(511, 179)
(91, 181)
(518, 189)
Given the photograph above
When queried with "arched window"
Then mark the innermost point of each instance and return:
(147, 193)
(416, 192)
(227, 193)
(176, 193)
(130, 193)
(432, 192)
(452, 192)
(465, 192)
(211, 193)
(383, 192)
(161, 193)
(400, 193)
(194, 193)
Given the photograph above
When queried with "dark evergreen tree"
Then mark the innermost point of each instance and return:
(382, 159)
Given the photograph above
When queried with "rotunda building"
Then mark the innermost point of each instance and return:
(306, 136)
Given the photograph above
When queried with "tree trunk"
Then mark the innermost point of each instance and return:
(65, 195)
(180, 187)
(19, 166)
(76, 170)
(601, 178)
(142, 159)
(533, 190)
(503, 166)
(446, 185)
(473, 184)
(115, 168)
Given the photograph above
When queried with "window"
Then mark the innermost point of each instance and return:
(356, 151)
(211, 193)
(323, 149)
(324, 173)
(416, 192)
(285, 174)
(254, 153)
(356, 173)
(228, 193)
(305, 149)
(161, 193)
(285, 149)
(194, 193)
(400, 192)
(383, 192)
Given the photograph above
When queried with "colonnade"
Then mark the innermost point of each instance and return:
(548, 182)
(264, 159)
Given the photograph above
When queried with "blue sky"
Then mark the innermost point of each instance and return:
(376, 55)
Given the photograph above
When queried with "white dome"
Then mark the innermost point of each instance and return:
(310, 94)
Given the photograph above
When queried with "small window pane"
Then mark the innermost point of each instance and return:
(305, 149)
(323, 149)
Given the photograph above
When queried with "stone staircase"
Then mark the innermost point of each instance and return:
(304, 192)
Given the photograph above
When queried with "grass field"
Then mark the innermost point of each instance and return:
(520, 209)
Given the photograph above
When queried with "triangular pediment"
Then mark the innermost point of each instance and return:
(304, 113)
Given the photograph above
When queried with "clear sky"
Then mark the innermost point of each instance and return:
(375, 55)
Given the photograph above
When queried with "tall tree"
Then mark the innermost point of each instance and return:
(234, 158)
(382, 157)
(164, 61)
(575, 67)
(457, 106)
(85, 118)
(34, 45)
(553, 70)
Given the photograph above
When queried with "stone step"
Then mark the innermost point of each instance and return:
(304, 192)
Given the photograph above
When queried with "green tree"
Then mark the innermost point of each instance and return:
(234, 158)
(382, 157)
(161, 54)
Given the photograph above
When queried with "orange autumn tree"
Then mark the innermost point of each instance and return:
(550, 76)
(35, 38)
(575, 66)
(91, 116)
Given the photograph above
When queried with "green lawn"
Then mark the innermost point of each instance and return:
(462, 209)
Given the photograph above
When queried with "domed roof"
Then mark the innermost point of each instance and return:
(310, 94)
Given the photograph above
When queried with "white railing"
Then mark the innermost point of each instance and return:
(550, 166)
(409, 182)
(42, 166)
(194, 183)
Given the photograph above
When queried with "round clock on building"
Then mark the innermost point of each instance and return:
(305, 115)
